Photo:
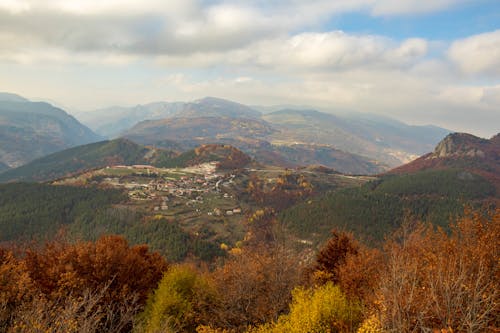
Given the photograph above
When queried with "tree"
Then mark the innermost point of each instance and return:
(255, 286)
(435, 281)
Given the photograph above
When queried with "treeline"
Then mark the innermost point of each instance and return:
(379, 207)
(422, 279)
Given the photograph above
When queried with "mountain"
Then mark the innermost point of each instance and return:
(33, 129)
(111, 122)
(217, 107)
(195, 131)
(248, 135)
(461, 151)
(214, 120)
(310, 154)
(82, 158)
(8, 97)
(384, 139)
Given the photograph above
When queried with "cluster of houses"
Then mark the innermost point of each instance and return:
(189, 187)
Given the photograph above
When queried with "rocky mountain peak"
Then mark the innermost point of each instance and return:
(460, 144)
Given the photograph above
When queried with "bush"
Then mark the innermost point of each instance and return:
(182, 301)
(321, 309)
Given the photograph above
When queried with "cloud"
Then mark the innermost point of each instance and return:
(252, 51)
(478, 54)
(172, 27)
(399, 7)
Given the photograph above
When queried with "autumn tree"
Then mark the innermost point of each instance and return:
(255, 286)
(435, 281)
(333, 255)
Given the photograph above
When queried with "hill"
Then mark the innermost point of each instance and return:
(33, 129)
(464, 151)
(82, 158)
(227, 157)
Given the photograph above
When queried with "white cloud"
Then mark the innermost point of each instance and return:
(478, 54)
(253, 51)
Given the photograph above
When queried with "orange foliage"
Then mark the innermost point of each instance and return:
(255, 286)
(60, 269)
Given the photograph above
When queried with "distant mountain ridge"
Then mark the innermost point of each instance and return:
(376, 138)
(33, 129)
(111, 122)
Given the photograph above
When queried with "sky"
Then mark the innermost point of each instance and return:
(420, 61)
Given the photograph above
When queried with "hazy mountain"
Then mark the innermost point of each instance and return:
(198, 130)
(380, 138)
(8, 97)
(210, 119)
(248, 135)
(217, 107)
(33, 129)
(110, 122)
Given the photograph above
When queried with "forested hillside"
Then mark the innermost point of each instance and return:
(378, 207)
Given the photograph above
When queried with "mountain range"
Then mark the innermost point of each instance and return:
(210, 119)
(355, 144)
(29, 130)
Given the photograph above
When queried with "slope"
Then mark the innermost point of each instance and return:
(33, 129)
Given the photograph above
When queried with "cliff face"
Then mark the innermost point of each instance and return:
(461, 144)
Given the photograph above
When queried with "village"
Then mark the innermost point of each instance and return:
(197, 190)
